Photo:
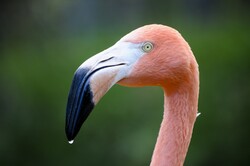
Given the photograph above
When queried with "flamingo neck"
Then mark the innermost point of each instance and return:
(175, 133)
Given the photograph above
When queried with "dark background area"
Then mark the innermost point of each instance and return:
(43, 42)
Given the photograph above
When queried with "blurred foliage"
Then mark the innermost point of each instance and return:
(43, 42)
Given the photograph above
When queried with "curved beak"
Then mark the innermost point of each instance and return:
(94, 78)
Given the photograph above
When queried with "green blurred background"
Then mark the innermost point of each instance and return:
(42, 44)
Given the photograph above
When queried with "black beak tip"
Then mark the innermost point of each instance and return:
(69, 134)
(79, 104)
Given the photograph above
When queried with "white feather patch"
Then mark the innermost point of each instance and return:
(198, 114)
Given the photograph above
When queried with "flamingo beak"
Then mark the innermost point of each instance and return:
(94, 78)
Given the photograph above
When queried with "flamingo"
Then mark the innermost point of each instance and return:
(152, 55)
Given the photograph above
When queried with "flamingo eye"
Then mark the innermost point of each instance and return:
(147, 46)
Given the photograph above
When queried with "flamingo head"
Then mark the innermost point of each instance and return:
(153, 55)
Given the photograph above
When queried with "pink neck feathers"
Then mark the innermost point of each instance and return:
(180, 111)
